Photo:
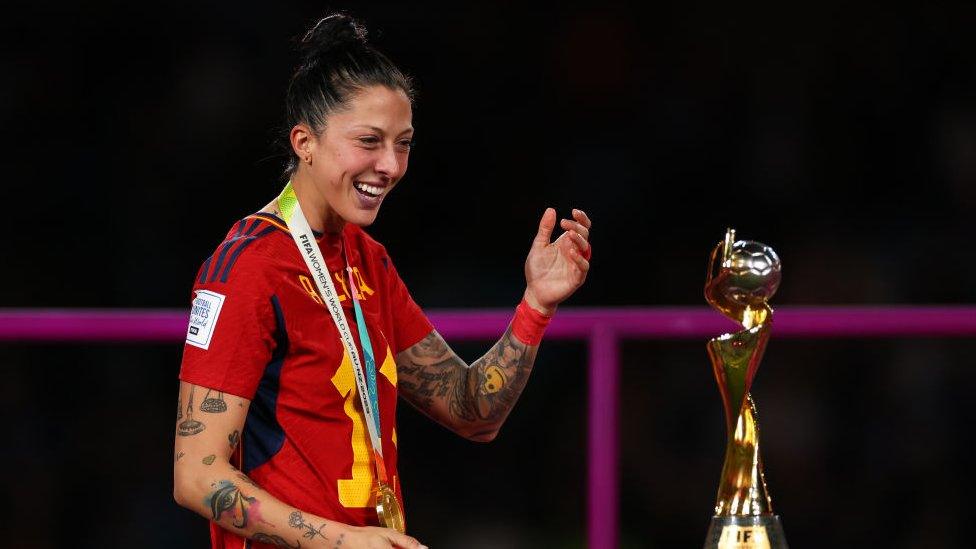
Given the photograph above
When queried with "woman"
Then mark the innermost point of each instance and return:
(302, 334)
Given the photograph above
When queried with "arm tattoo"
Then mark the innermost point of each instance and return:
(277, 541)
(244, 478)
(247, 480)
(228, 498)
(213, 405)
(190, 426)
(480, 395)
(234, 438)
(296, 520)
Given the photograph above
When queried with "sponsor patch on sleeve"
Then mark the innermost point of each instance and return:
(203, 318)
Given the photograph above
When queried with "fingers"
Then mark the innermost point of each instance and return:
(581, 262)
(570, 225)
(402, 540)
(546, 225)
(580, 215)
(582, 244)
(577, 228)
(579, 231)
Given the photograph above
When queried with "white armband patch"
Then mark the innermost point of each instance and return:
(203, 318)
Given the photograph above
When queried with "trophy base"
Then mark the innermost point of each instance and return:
(745, 532)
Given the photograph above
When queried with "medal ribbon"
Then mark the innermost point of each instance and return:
(304, 238)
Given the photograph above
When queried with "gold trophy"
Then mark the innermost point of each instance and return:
(742, 277)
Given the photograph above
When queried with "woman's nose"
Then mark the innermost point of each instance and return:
(387, 163)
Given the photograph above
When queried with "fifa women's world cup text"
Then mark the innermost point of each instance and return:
(302, 334)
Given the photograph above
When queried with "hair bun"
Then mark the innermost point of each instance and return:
(332, 33)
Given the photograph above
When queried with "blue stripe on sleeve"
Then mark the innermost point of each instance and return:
(204, 269)
(233, 257)
(263, 435)
(223, 251)
(254, 225)
(220, 258)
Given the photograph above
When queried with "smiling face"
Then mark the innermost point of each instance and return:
(348, 169)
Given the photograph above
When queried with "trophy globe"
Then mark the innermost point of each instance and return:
(754, 273)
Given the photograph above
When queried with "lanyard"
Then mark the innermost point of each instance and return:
(365, 380)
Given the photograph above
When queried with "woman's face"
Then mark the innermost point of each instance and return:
(362, 153)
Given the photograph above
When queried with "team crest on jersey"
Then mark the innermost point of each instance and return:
(203, 318)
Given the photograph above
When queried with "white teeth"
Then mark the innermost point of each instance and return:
(375, 191)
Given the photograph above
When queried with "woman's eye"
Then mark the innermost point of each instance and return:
(369, 140)
(405, 144)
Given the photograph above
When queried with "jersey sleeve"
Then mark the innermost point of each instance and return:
(410, 323)
(231, 336)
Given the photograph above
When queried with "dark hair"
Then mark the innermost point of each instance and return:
(336, 63)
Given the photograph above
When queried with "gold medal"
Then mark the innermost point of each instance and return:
(388, 508)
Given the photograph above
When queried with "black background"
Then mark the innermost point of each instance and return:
(843, 136)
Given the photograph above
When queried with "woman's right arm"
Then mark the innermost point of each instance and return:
(206, 482)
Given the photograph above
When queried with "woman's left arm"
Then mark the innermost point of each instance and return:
(474, 400)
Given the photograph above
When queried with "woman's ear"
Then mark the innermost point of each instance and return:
(302, 142)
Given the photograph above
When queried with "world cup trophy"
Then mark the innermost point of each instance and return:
(742, 277)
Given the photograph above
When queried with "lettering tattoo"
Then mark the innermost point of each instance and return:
(477, 398)
(296, 520)
(277, 541)
(190, 426)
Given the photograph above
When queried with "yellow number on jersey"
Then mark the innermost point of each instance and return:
(358, 490)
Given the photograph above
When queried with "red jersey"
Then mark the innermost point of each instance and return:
(258, 330)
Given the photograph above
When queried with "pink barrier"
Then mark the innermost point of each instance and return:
(602, 328)
(164, 326)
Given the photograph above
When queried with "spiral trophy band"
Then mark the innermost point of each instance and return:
(742, 277)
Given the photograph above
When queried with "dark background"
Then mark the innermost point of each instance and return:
(844, 136)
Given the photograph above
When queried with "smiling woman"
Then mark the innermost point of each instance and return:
(349, 113)
(305, 331)
(351, 164)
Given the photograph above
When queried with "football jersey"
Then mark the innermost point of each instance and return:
(258, 330)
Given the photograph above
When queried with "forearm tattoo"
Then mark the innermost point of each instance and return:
(277, 541)
(478, 396)
(227, 501)
(227, 498)
(296, 520)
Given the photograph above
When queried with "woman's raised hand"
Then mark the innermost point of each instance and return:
(554, 270)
